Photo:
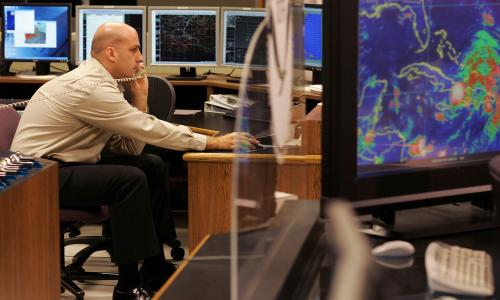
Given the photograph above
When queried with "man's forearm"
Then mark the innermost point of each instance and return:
(140, 103)
(212, 143)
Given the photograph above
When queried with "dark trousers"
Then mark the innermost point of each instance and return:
(134, 188)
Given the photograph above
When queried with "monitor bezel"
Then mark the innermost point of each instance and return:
(306, 66)
(2, 26)
(79, 8)
(187, 64)
(223, 31)
(339, 134)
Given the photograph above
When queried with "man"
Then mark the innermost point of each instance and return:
(80, 115)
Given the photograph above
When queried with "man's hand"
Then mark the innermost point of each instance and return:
(231, 140)
(139, 91)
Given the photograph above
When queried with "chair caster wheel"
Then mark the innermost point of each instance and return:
(63, 290)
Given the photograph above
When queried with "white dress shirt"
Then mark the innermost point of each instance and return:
(73, 117)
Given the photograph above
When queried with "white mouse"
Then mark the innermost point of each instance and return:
(394, 249)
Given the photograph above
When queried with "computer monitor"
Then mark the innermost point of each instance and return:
(238, 27)
(89, 18)
(313, 34)
(183, 36)
(412, 116)
(36, 32)
(74, 3)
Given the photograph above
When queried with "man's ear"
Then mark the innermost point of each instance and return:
(111, 53)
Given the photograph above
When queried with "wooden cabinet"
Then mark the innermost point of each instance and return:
(29, 236)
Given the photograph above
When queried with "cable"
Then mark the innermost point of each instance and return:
(219, 74)
(58, 69)
(83, 88)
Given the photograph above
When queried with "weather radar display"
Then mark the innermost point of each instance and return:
(428, 81)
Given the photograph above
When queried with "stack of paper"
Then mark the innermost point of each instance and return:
(220, 103)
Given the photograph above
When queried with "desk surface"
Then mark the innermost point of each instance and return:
(212, 276)
(411, 282)
(206, 120)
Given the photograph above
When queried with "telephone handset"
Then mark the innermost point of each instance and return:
(138, 75)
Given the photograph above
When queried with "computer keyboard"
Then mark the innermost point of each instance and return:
(186, 78)
(458, 270)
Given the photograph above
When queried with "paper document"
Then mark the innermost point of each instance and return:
(186, 112)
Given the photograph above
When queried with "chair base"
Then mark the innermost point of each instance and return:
(75, 271)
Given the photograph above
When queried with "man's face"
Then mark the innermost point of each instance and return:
(129, 56)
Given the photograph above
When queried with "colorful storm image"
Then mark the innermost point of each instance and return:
(428, 80)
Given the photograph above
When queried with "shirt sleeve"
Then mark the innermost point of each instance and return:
(106, 108)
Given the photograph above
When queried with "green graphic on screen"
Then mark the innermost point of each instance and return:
(428, 80)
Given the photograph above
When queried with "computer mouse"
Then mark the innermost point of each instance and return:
(394, 249)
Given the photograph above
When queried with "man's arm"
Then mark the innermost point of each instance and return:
(230, 141)
(139, 91)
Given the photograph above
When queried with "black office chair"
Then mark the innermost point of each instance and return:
(70, 222)
(161, 104)
(161, 98)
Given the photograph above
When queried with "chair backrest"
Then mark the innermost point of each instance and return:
(161, 98)
(9, 119)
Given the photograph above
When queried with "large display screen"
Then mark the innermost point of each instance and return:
(428, 83)
(313, 34)
(238, 29)
(36, 32)
(184, 36)
(89, 18)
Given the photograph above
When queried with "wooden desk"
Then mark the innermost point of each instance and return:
(29, 236)
(213, 82)
(210, 180)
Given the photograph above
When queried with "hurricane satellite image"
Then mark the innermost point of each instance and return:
(428, 80)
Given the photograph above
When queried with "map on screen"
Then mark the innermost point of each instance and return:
(428, 81)
(185, 36)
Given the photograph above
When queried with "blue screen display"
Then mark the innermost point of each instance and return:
(312, 37)
(428, 81)
(36, 33)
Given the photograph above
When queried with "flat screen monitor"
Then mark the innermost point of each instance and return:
(74, 3)
(313, 34)
(89, 18)
(36, 32)
(183, 36)
(238, 27)
(413, 102)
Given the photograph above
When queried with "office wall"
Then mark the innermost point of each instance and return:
(241, 3)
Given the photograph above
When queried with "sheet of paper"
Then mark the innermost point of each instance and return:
(280, 60)
(186, 112)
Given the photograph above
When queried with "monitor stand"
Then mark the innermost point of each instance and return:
(187, 73)
(431, 221)
(316, 77)
(5, 68)
(42, 71)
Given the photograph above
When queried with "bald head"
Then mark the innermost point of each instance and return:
(108, 35)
